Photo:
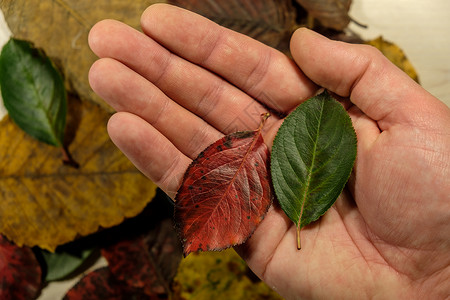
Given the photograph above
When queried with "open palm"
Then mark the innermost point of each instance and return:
(185, 82)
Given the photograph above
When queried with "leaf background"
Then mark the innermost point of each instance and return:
(45, 203)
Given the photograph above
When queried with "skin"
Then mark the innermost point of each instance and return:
(185, 82)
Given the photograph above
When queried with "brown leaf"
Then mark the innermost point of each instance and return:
(61, 27)
(330, 13)
(45, 203)
(269, 21)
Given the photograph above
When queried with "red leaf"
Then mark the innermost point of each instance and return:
(129, 263)
(148, 262)
(20, 273)
(101, 284)
(225, 193)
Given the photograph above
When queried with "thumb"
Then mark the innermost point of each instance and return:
(377, 87)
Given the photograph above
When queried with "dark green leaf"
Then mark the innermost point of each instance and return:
(33, 91)
(312, 158)
(61, 264)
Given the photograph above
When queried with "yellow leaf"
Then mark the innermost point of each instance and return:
(45, 203)
(395, 55)
(61, 27)
(218, 275)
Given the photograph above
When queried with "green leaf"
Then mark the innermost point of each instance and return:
(33, 91)
(312, 157)
(61, 264)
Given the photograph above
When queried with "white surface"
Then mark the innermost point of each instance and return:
(5, 34)
(421, 28)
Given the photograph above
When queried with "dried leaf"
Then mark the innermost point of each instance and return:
(312, 158)
(60, 27)
(225, 193)
(20, 273)
(47, 204)
(330, 13)
(395, 55)
(220, 276)
(33, 92)
(269, 21)
(149, 261)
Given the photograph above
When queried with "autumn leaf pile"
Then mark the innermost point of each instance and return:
(105, 207)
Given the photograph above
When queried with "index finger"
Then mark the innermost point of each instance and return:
(262, 72)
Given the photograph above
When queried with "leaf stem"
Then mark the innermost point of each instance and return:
(67, 158)
(299, 243)
(358, 23)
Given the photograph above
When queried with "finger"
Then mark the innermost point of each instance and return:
(376, 86)
(263, 72)
(127, 91)
(205, 94)
(149, 150)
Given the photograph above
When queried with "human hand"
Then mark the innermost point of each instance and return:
(185, 82)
